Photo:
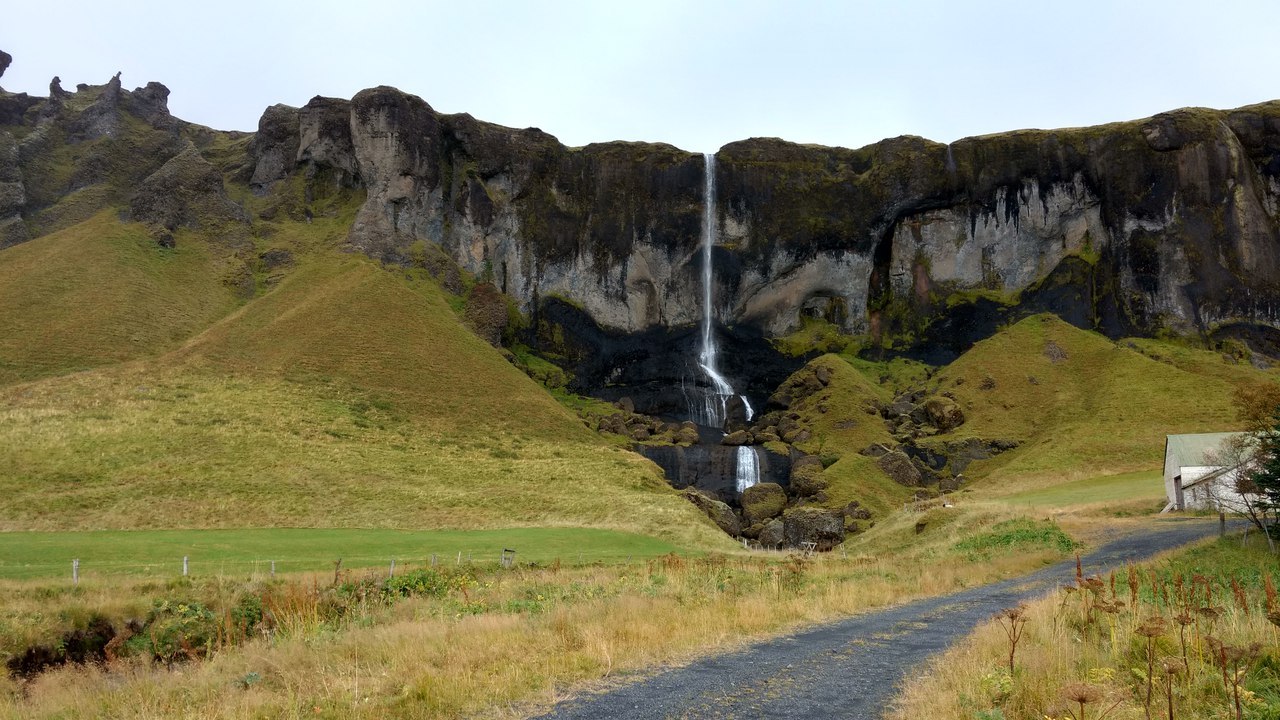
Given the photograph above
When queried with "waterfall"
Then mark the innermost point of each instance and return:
(748, 471)
(709, 407)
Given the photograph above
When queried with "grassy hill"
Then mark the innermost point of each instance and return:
(102, 292)
(1082, 405)
(344, 395)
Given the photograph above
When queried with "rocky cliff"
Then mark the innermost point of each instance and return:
(1168, 223)
(1165, 223)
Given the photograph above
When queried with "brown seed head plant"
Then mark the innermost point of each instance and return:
(1172, 668)
(1083, 694)
(1184, 619)
(1151, 628)
(1012, 620)
(1234, 661)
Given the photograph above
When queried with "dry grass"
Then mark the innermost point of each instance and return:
(514, 641)
(1106, 648)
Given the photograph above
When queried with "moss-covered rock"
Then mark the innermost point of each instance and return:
(810, 524)
(944, 413)
(899, 467)
(762, 502)
(721, 514)
(771, 535)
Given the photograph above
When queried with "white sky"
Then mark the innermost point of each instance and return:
(694, 74)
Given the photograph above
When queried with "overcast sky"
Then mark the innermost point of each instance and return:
(694, 74)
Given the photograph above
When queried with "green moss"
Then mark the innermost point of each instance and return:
(816, 336)
(959, 298)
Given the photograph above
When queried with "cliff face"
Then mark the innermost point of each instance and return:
(1164, 223)
(1168, 222)
(1175, 217)
(612, 226)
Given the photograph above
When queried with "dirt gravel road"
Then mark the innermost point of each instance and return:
(849, 668)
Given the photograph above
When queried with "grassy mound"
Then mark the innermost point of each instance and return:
(844, 420)
(1081, 405)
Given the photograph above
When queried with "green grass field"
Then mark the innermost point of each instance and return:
(1142, 486)
(26, 555)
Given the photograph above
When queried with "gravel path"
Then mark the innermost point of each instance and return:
(850, 668)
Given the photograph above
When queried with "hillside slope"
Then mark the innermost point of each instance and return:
(1081, 405)
(102, 292)
(344, 395)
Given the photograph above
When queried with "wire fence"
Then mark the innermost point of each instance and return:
(78, 569)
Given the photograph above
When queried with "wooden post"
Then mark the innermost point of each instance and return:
(459, 562)
(337, 568)
(1222, 523)
(273, 568)
(393, 569)
(75, 571)
(184, 566)
(433, 559)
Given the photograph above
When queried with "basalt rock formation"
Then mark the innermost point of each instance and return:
(1168, 223)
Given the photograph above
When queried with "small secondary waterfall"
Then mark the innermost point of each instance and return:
(709, 406)
(748, 472)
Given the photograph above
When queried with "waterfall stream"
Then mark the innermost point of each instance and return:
(709, 406)
(748, 471)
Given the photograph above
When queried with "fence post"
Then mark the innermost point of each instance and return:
(184, 566)
(75, 571)
(392, 574)
(433, 559)
(337, 568)
(273, 568)
(459, 562)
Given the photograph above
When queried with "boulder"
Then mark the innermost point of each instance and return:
(762, 502)
(766, 436)
(686, 436)
(5, 59)
(771, 535)
(899, 468)
(797, 435)
(721, 514)
(944, 413)
(737, 437)
(823, 374)
(876, 450)
(815, 525)
(625, 404)
(808, 480)
(799, 460)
